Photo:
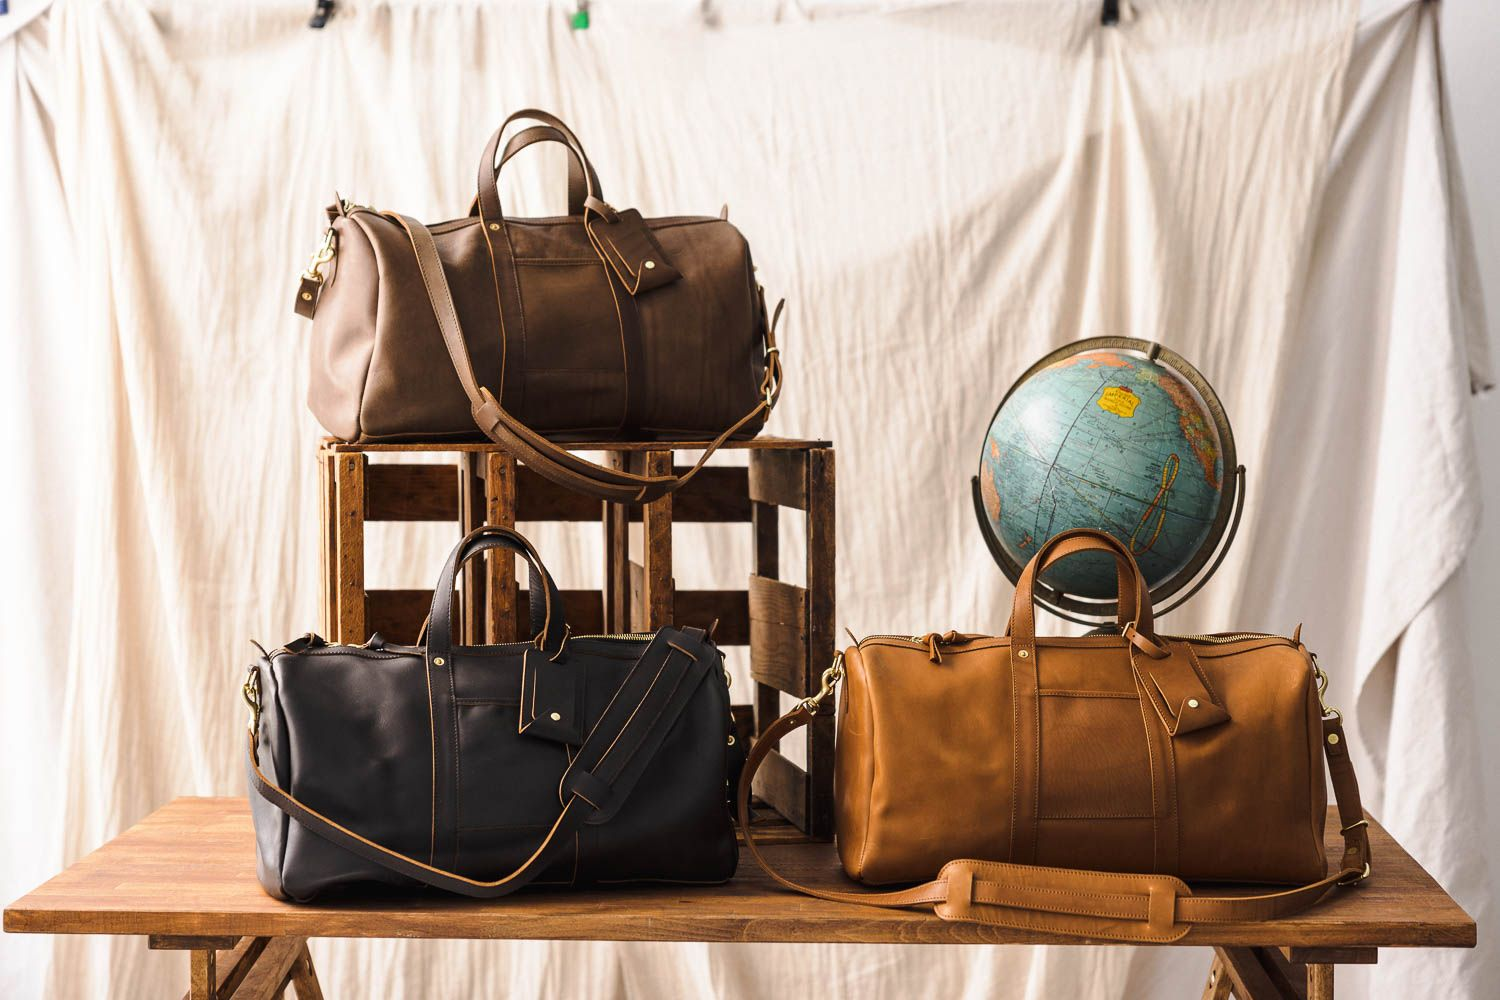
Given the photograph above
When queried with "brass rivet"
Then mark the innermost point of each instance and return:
(556, 717)
(437, 661)
(495, 225)
(1192, 703)
(307, 296)
(649, 264)
(731, 739)
(1022, 653)
(1333, 739)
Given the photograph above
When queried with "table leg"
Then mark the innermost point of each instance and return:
(1279, 973)
(1218, 984)
(227, 968)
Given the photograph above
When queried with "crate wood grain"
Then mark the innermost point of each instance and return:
(789, 629)
(215, 910)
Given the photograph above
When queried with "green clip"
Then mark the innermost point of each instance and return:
(580, 19)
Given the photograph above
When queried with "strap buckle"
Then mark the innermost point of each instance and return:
(831, 677)
(1322, 679)
(1356, 879)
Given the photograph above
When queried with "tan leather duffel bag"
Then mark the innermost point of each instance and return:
(1083, 779)
(599, 325)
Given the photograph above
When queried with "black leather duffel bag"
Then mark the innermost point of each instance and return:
(566, 760)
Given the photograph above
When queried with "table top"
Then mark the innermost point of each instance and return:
(189, 869)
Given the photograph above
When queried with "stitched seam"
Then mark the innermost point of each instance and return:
(1150, 762)
(609, 282)
(1125, 695)
(484, 230)
(432, 742)
(1015, 755)
(457, 783)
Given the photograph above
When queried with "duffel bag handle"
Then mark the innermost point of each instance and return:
(581, 176)
(552, 129)
(548, 617)
(540, 455)
(1132, 596)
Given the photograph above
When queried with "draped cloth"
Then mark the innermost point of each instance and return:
(942, 191)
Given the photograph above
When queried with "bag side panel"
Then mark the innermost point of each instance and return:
(343, 333)
(360, 742)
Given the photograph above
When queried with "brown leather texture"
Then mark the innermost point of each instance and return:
(595, 325)
(1204, 763)
(1076, 785)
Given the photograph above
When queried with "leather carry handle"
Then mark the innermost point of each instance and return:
(548, 617)
(1080, 902)
(542, 456)
(1133, 597)
(660, 684)
(488, 192)
(581, 176)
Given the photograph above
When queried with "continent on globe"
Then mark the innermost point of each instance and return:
(1107, 439)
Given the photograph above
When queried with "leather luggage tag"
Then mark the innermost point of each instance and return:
(632, 251)
(1178, 690)
(552, 699)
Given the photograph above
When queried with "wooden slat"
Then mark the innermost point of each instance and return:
(328, 594)
(779, 477)
(1332, 956)
(190, 942)
(137, 885)
(764, 442)
(472, 511)
(783, 785)
(821, 618)
(616, 557)
(778, 657)
(398, 614)
(203, 974)
(778, 635)
(699, 608)
(411, 493)
(714, 495)
(656, 531)
(500, 579)
(585, 610)
(395, 614)
(349, 544)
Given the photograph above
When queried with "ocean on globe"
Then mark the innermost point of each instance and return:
(1106, 439)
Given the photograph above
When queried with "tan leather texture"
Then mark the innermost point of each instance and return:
(595, 325)
(1083, 781)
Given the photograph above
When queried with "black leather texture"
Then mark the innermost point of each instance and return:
(443, 764)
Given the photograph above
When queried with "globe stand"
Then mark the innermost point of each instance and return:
(1101, 612)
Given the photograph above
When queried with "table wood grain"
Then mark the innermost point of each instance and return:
(189, 869)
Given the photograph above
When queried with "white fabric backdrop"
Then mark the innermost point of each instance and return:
(942, 191)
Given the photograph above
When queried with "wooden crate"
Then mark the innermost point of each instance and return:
(789, 629)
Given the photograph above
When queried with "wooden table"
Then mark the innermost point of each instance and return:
(185, 878)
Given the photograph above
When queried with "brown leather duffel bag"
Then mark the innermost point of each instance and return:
(1083, 779)
(597, 325)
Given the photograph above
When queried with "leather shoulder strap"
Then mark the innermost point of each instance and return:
(545, 458)
(1079, 902)
(646, 705)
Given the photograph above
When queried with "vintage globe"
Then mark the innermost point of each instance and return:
(1116, 434)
